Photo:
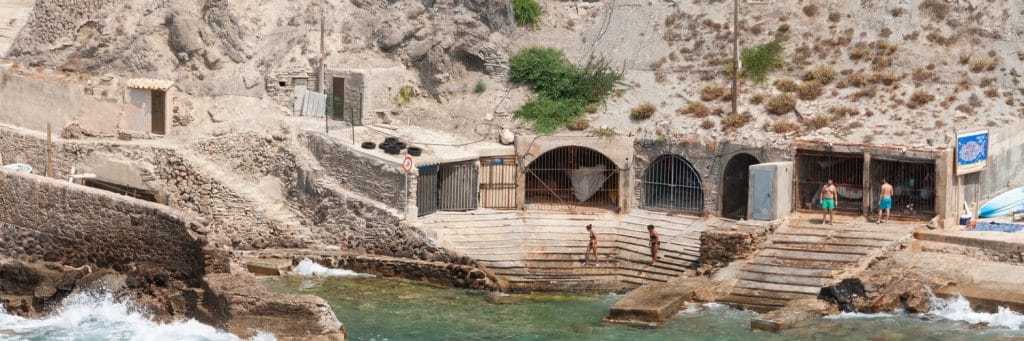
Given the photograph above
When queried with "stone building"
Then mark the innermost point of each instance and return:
(148, 106)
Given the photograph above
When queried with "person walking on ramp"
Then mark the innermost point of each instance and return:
(655, 243)
(828, 201)
(592, 247)
(885, 200)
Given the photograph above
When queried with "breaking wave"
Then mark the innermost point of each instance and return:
(959, 309)
(100, 316)
(307, 267)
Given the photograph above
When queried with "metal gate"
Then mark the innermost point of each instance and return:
(913, 184)
(498, 182)
(426, 190)
(814, 169)
(458, 187)
(671, 183)
(571, 177)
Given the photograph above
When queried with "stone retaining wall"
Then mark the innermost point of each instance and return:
(718, 247)
(77, 225)
(364, 174)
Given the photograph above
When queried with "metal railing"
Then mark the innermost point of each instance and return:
(913, 185)
(426, 190)
(572, 177)
(458, 186)
(814, 169)
(671, 183)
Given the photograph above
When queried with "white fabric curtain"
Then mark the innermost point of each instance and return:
(586, 181)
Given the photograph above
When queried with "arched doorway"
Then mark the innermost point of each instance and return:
(570, 177)
(735, 185)
(671, 183)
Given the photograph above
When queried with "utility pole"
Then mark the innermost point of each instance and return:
(735, 53)
(320, 75)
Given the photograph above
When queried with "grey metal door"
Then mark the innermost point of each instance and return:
(459, 186)
(762, 181)
(426, 190)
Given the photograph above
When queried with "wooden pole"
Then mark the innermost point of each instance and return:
(320, 78)
(735, 53)
(49, 151)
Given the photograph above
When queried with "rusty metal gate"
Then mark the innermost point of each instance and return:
(814, 169)
(913, 183)
(426, 190)
(457, 186)
(571, 177)
(498, 182)
(671, 183)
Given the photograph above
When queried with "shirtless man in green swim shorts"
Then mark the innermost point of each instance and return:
(828, 201)
(885, 200)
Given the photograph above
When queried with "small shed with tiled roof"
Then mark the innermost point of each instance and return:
(148, 106)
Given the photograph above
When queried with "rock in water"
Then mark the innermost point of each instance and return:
(842, 294)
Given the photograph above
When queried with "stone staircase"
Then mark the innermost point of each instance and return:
(544, 250)
(804, 256)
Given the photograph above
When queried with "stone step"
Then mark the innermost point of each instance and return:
(789, 288)
(627, 265)
(856, 227)
(844, 234)
(803, 264)
(784, 279)
(767, 302)
(773, 295)
(792, 271)
(812, 256)
(645, 256)
(824, 248)
(783, 238)
(662, 217)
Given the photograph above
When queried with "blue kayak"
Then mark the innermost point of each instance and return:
(1003, 204)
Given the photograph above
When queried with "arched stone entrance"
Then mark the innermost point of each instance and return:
(671, 183)
(735, 183)
(572, 176)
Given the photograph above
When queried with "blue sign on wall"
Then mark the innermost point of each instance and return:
(971, 152)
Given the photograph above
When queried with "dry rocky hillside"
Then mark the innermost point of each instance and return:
(868, 71)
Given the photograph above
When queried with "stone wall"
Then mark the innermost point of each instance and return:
(719, 247)
(367, 175)
(708, 160)
(77, 225)
(338, 218)
(180, 183)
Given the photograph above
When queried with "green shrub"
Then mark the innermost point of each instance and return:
(642, 111)
(662, 139)
(759, 61)
(579, 124)
(480, 87)
(527, 12)
(548, 114)
(564, 91)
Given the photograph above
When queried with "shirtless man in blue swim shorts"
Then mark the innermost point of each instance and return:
(885, 200)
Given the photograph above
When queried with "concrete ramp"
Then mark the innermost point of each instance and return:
(13, 16)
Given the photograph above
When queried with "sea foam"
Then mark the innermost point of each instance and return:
(99, 316)
(307, 267)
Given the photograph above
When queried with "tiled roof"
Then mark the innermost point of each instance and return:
(150, 84)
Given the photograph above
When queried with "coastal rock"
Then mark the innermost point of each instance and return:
(241, 305)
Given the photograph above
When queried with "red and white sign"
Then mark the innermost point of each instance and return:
(407, 164)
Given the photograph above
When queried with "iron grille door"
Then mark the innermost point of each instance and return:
(458, 187)
(671, 183)
(426, 190)
(498, 182)
(913, 185)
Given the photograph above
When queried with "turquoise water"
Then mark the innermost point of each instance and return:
(379, 309)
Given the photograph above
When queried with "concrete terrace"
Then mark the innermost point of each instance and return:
(537, 250)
